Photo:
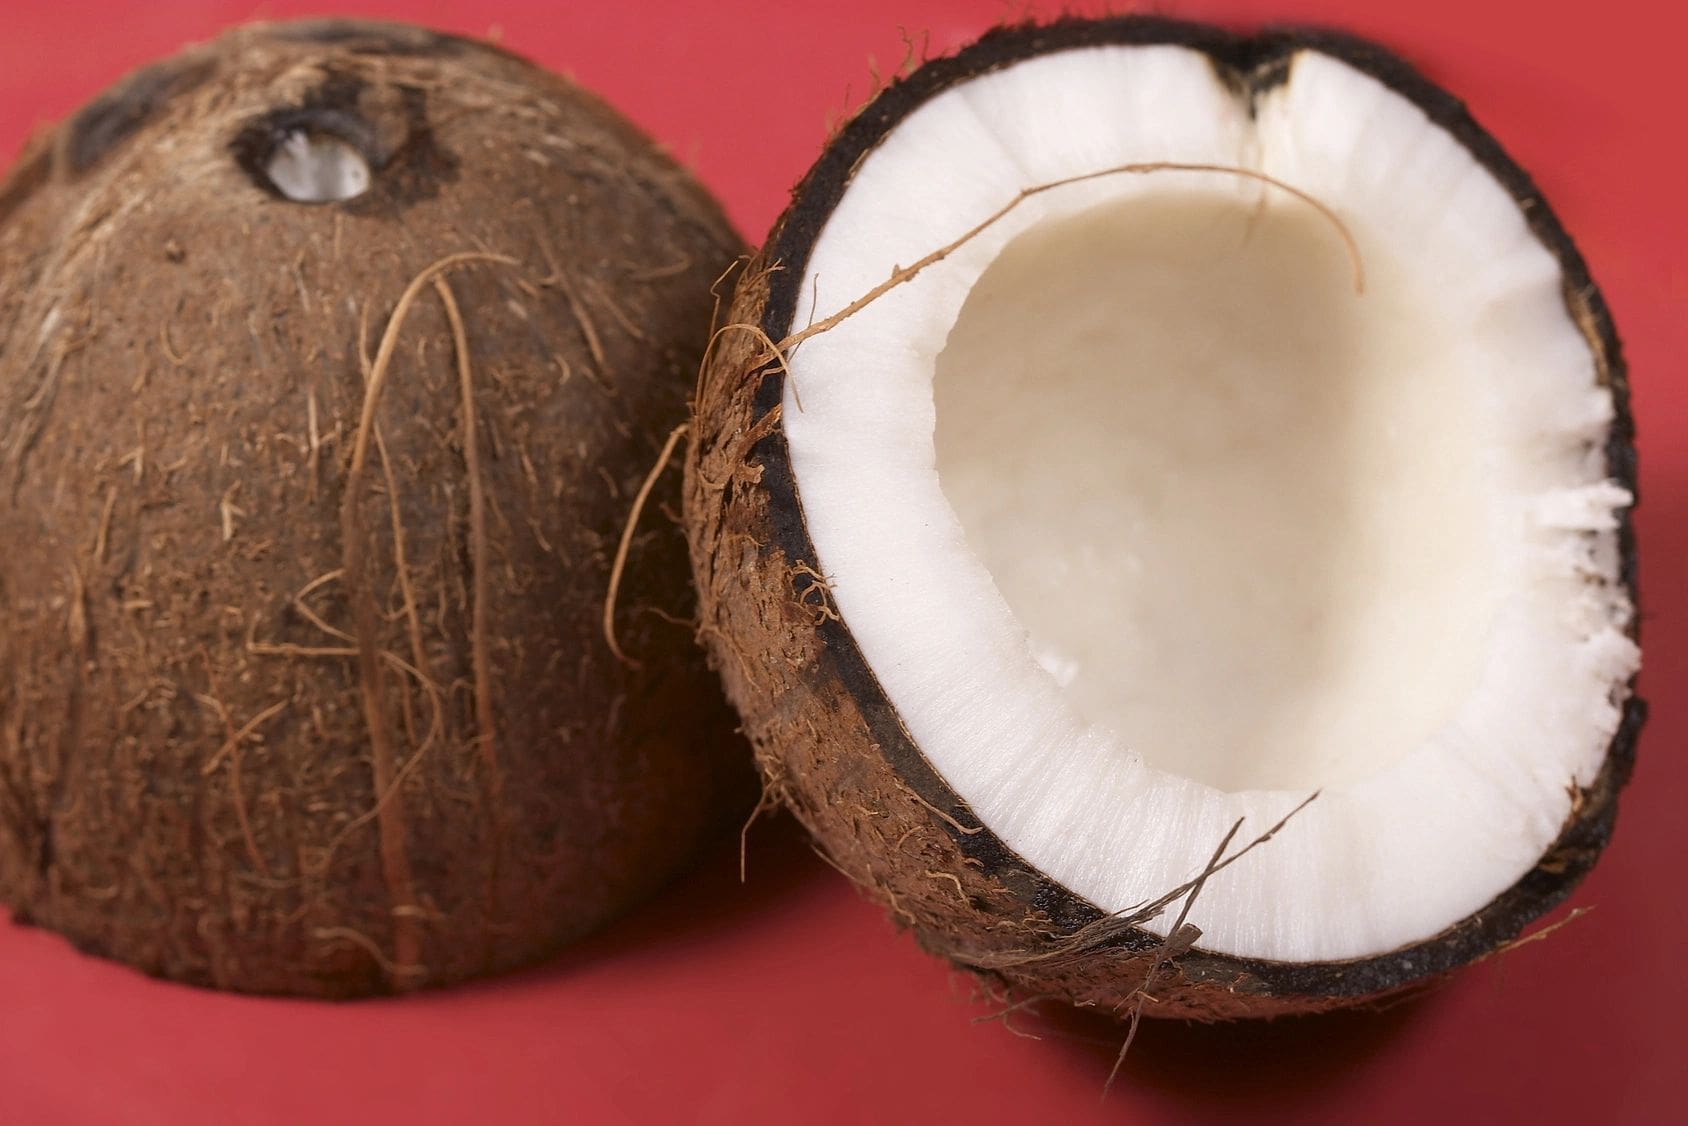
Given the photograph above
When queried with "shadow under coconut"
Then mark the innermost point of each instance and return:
(1266, 1064)
(706, 901)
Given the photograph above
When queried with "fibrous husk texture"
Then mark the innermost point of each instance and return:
(833, 748)
(302, 682)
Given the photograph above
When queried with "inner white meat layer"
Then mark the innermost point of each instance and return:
(1148, 521)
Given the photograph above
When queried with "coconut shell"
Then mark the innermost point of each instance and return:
(832, 747)
(312, 510)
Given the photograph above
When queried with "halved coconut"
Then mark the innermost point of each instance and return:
(332, 356)
(1133, 517)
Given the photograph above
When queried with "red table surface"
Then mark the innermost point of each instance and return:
(790, 998)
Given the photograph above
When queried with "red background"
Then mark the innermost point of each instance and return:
(789, 998)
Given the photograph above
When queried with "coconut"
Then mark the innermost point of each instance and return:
(332, 357)
(1161, 507)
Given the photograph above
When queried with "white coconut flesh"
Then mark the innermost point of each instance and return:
(309, 167)
(1147, 521)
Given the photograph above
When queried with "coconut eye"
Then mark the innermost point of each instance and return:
(316, 167)
(323, 151)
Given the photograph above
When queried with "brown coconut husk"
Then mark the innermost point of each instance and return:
(311, 512)
(833, 748)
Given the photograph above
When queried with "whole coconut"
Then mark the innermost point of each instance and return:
(332, 357)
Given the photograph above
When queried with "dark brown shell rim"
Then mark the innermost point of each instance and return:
(1251, 64)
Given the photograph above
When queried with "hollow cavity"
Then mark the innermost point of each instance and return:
(1228, 497)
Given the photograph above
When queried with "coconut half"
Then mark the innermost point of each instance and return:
(332, 357)
(1158, 500)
